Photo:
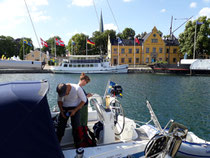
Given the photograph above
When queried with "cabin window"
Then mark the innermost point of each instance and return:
(137, 60)
(122, 60)
(74, 65)
(65, 65)
(160, 50)
(70, 65)
(137, 51)
(147, 50)
(175, 50)
(130, 50)
(174, 60)
(79, 65)
(83, 65)
(147, 60)
(122, 50)
(87, 65)
(91, 65)
(95, 65)
(129, 60)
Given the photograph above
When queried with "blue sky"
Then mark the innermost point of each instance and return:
(65, 18)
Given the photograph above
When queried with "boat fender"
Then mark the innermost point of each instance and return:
(79, 153)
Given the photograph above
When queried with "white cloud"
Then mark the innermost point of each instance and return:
(127, 0)
(163, 10)
(193, 5)
(110, 27)
(82, 3)
(206, 1)
(205, 12)
(14, 12)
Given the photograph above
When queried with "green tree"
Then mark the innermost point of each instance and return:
(8, 47)
(128, 33)
(79, 48)
(186, 39)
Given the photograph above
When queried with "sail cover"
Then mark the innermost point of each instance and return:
(26, 130)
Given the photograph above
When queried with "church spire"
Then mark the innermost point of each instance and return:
(101, 29)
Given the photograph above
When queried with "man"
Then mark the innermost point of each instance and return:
(71, 99)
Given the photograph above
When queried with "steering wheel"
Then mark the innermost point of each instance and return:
(119, 117)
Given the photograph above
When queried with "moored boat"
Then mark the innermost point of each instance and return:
(21, 64)
(88, 64)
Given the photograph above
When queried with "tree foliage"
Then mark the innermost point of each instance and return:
(187, 38)
(128, 33)
(8, 46)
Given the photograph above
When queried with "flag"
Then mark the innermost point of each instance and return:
(26, 42)
(199, 23)
(59, 42)
(2, 57)
(119, 40)
(90, 42)
(137, 40)
(73, 43)
(43, 43)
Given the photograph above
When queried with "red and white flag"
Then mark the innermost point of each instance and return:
(43, 43)
(137, 40)
(59, 42)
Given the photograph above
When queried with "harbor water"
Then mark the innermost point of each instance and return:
(185, 99)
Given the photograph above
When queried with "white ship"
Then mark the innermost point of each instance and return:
(88, 64)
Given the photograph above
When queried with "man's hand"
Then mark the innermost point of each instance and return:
(89, 95)
(72, 112)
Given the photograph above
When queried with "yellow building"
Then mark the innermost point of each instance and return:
(35, 56)
(152, 48)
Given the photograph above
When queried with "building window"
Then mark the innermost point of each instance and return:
(129, 60)
(167, 50)
(167, 59)
(154, 40)
(147, 50)
(122, 60)
(175, 50)
(160, 59)
(147, 60)
(174, 60)
(137, 60)
(130, 50)
(122, 50)
(154, 50)
(160, 50)
(115, 50)
(32, 55)
(137, 50)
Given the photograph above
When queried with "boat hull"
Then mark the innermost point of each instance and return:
(171, 68)
(22, 64)
(100, 70)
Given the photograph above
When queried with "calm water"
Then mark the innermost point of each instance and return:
(186, 99)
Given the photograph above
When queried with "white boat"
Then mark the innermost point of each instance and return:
(21, 64)
(29, 131)
(88, 64)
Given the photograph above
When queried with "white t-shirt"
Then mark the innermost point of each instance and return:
(75, 96)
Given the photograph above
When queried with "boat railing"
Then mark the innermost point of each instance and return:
(85, 61)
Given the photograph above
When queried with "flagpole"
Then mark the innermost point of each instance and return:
(23, 48)
(86, 45)
(134, 52)
(55, 51)
(194, 40)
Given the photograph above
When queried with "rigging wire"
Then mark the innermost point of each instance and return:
(96, 12)
(32, 24)
(113, 15)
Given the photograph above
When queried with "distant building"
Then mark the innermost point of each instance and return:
(35, 56)
(152, 48)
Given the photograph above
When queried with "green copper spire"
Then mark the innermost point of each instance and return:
(101, 29)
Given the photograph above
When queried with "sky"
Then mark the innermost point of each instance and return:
(65, 18)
